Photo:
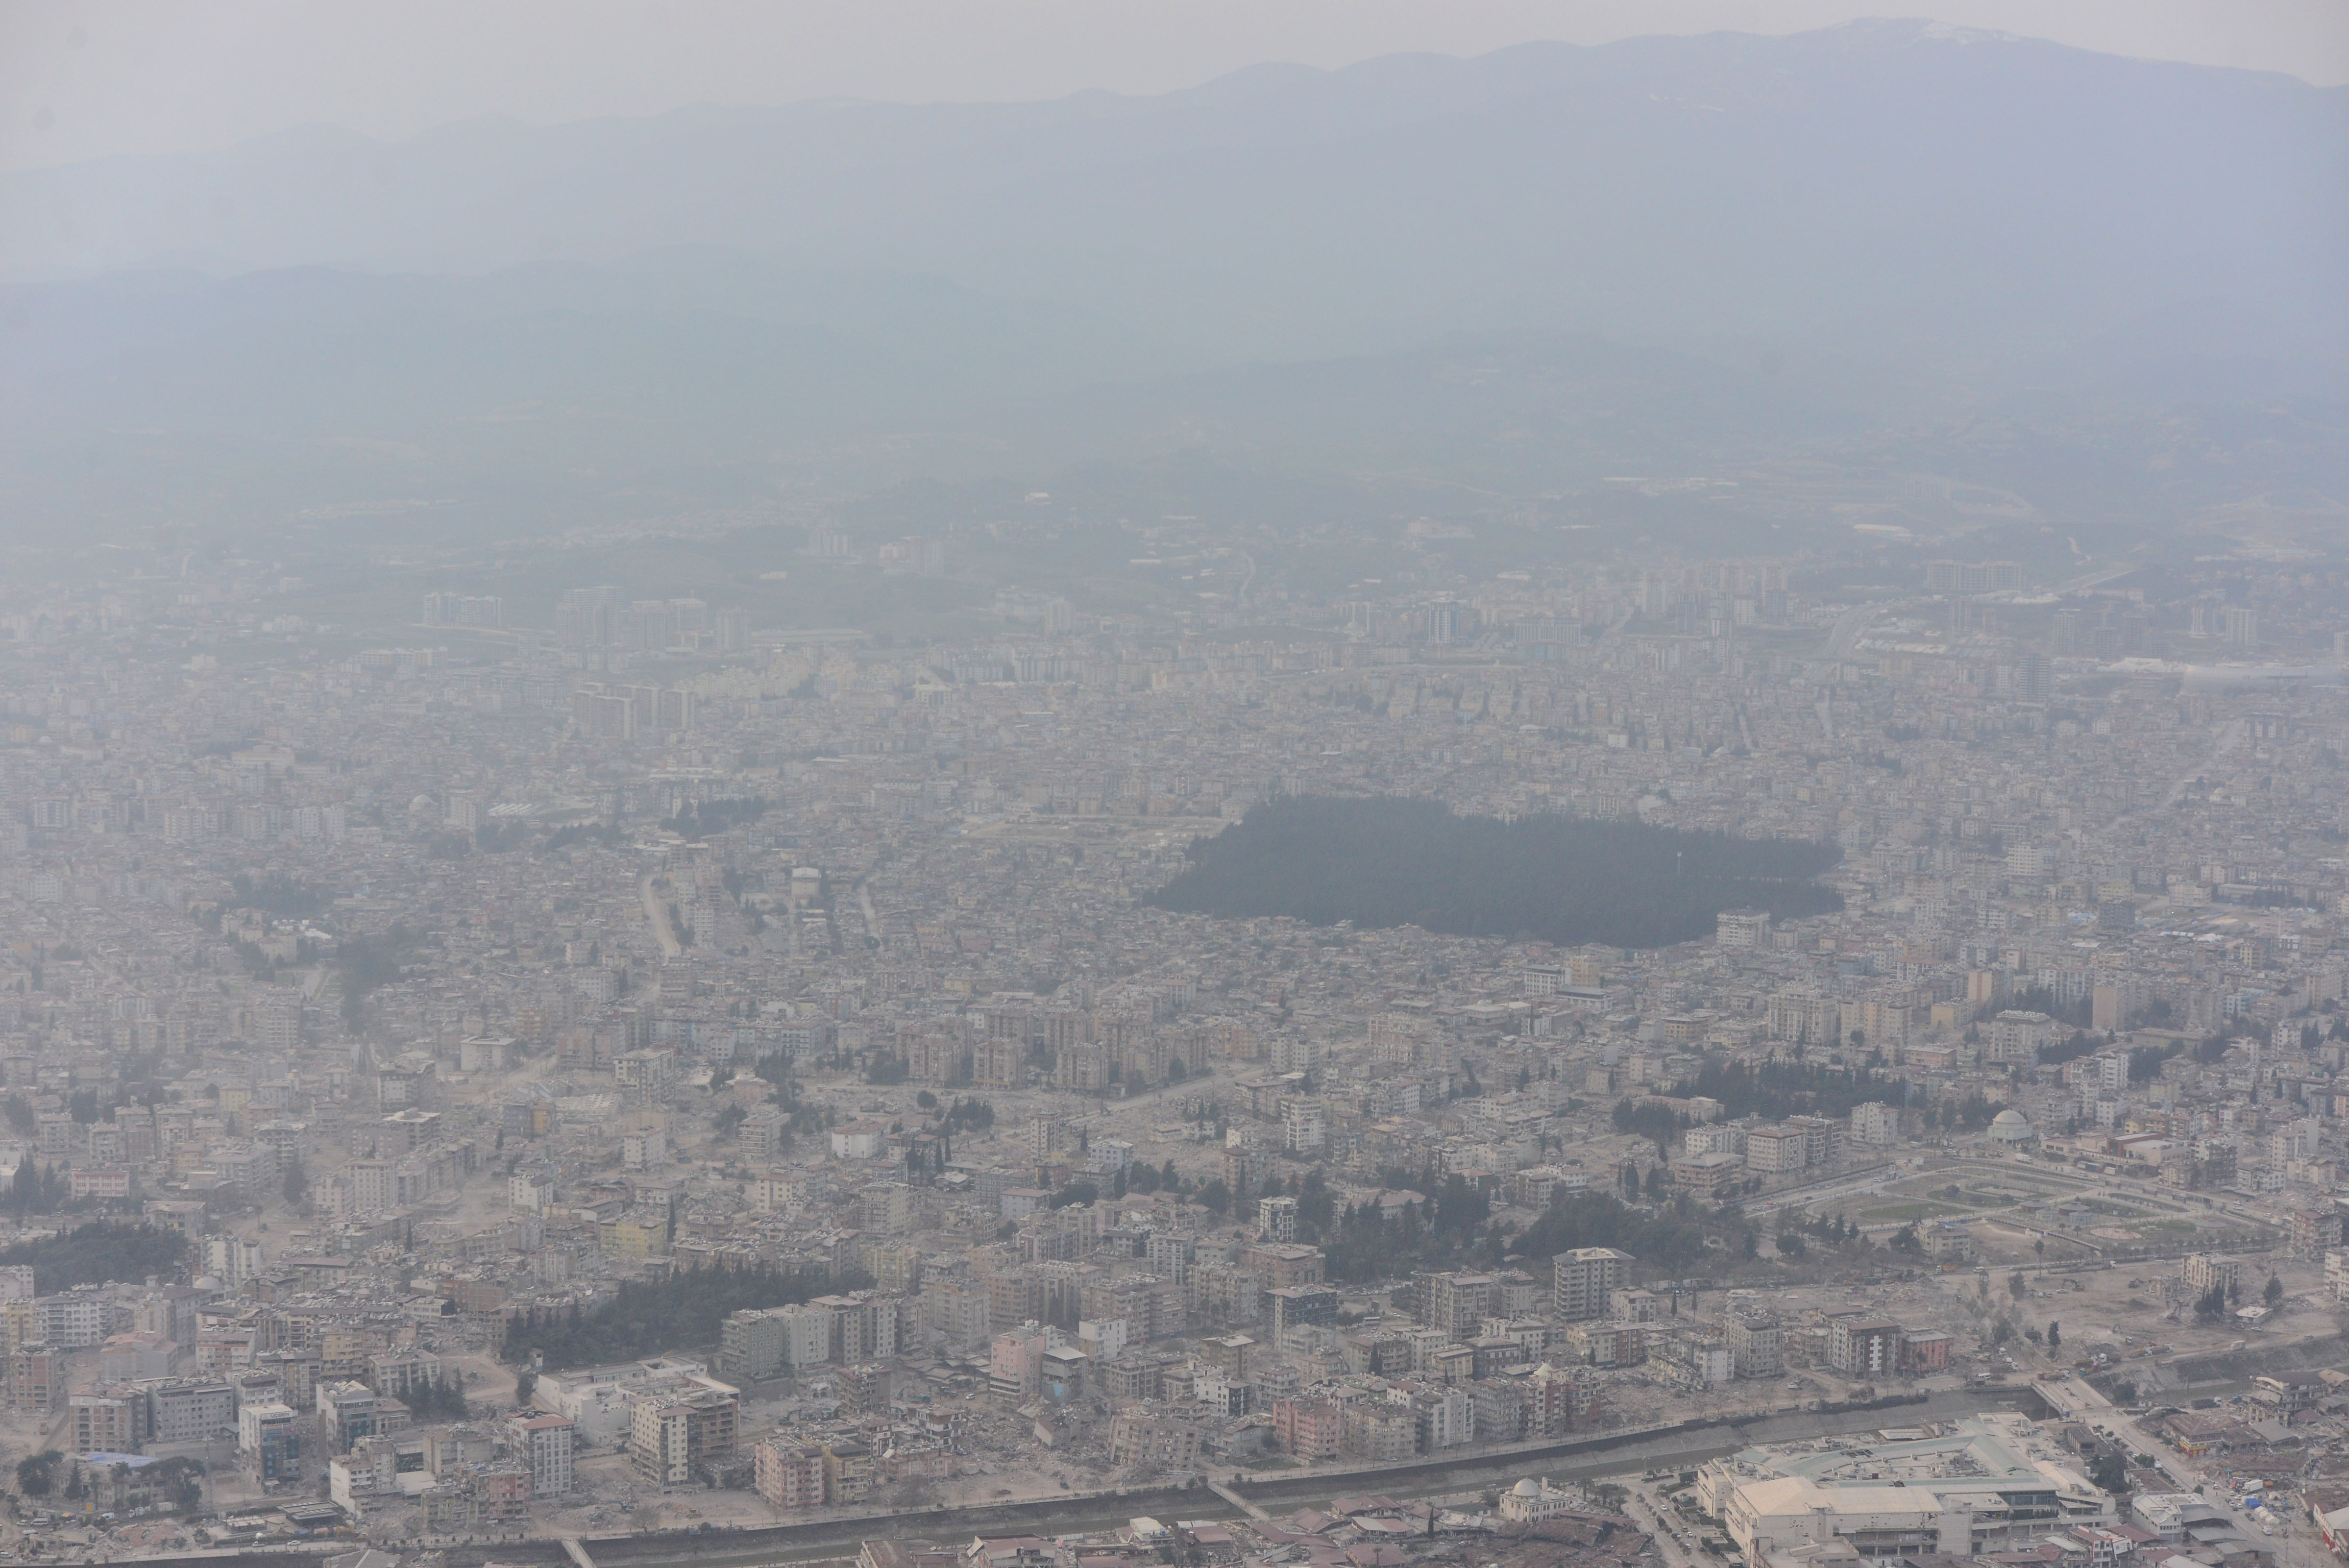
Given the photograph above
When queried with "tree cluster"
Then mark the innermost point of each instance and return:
(647, 1316)
(705, 817)
(2039, 999)
(1437, 1235)
(37, 1474)
(98, 1252)
(364, 963)
(800, 1118)
(977, 1115)
(280, 896)
(443, 1399)
(1666, 1239)
(39, 1190)
(1972, 1113)
(1650, 1121)
(1564, 880)
(1776, 1090)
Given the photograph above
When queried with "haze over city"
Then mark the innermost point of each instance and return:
(1506, 786)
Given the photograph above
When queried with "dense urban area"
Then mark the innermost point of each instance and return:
(608, 1071)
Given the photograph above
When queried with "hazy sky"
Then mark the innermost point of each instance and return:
(81, 78)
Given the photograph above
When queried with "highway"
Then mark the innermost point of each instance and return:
(1850, 1184)
(1275, 1493)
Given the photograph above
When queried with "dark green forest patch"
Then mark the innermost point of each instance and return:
(1563, 880)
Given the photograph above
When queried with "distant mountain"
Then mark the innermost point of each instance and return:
(1507, 277)
(690, 363)
(1878, 193)
(739, 348)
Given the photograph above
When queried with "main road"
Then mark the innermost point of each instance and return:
(1273, 1492)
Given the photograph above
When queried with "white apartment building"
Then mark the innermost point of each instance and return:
(545, 1442)
(1583, 1279)
(1875, 1126)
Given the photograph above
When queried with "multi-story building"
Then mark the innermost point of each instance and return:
(193, 1410)
(849, 1472)
(269, 1438)
(1152, 1440)
(1921, 1355)
(2017, 1036)
(1298, 1306)
(2206, 1271)
(1311, 1430)
(2312, 1231)
(1608, 1344)
(788, 1475)
(1456, 1303)
(1304, 1125)
(75, 1319)
(371, 1188)
(545, 1444)
(403, 1374)
(1281, 1266)
(1709, 1174)
(672, 1437)
(1015, 1364)
(1994, 1481)
(1756, 1342)
(648, 1077)
(347, 1411)
(1561, 1399)
(1874, 1124)
(1380, 1434)
(753, 1344)
(1583, 1279)
(36, 1378)
(1864, 1347)
(1805, 1017)
(1773, 1151)
(109, 1418)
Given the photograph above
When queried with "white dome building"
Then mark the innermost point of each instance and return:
(2011, 1126)
(1530, 1502)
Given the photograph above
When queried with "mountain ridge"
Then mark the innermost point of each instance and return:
(1725, 182)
